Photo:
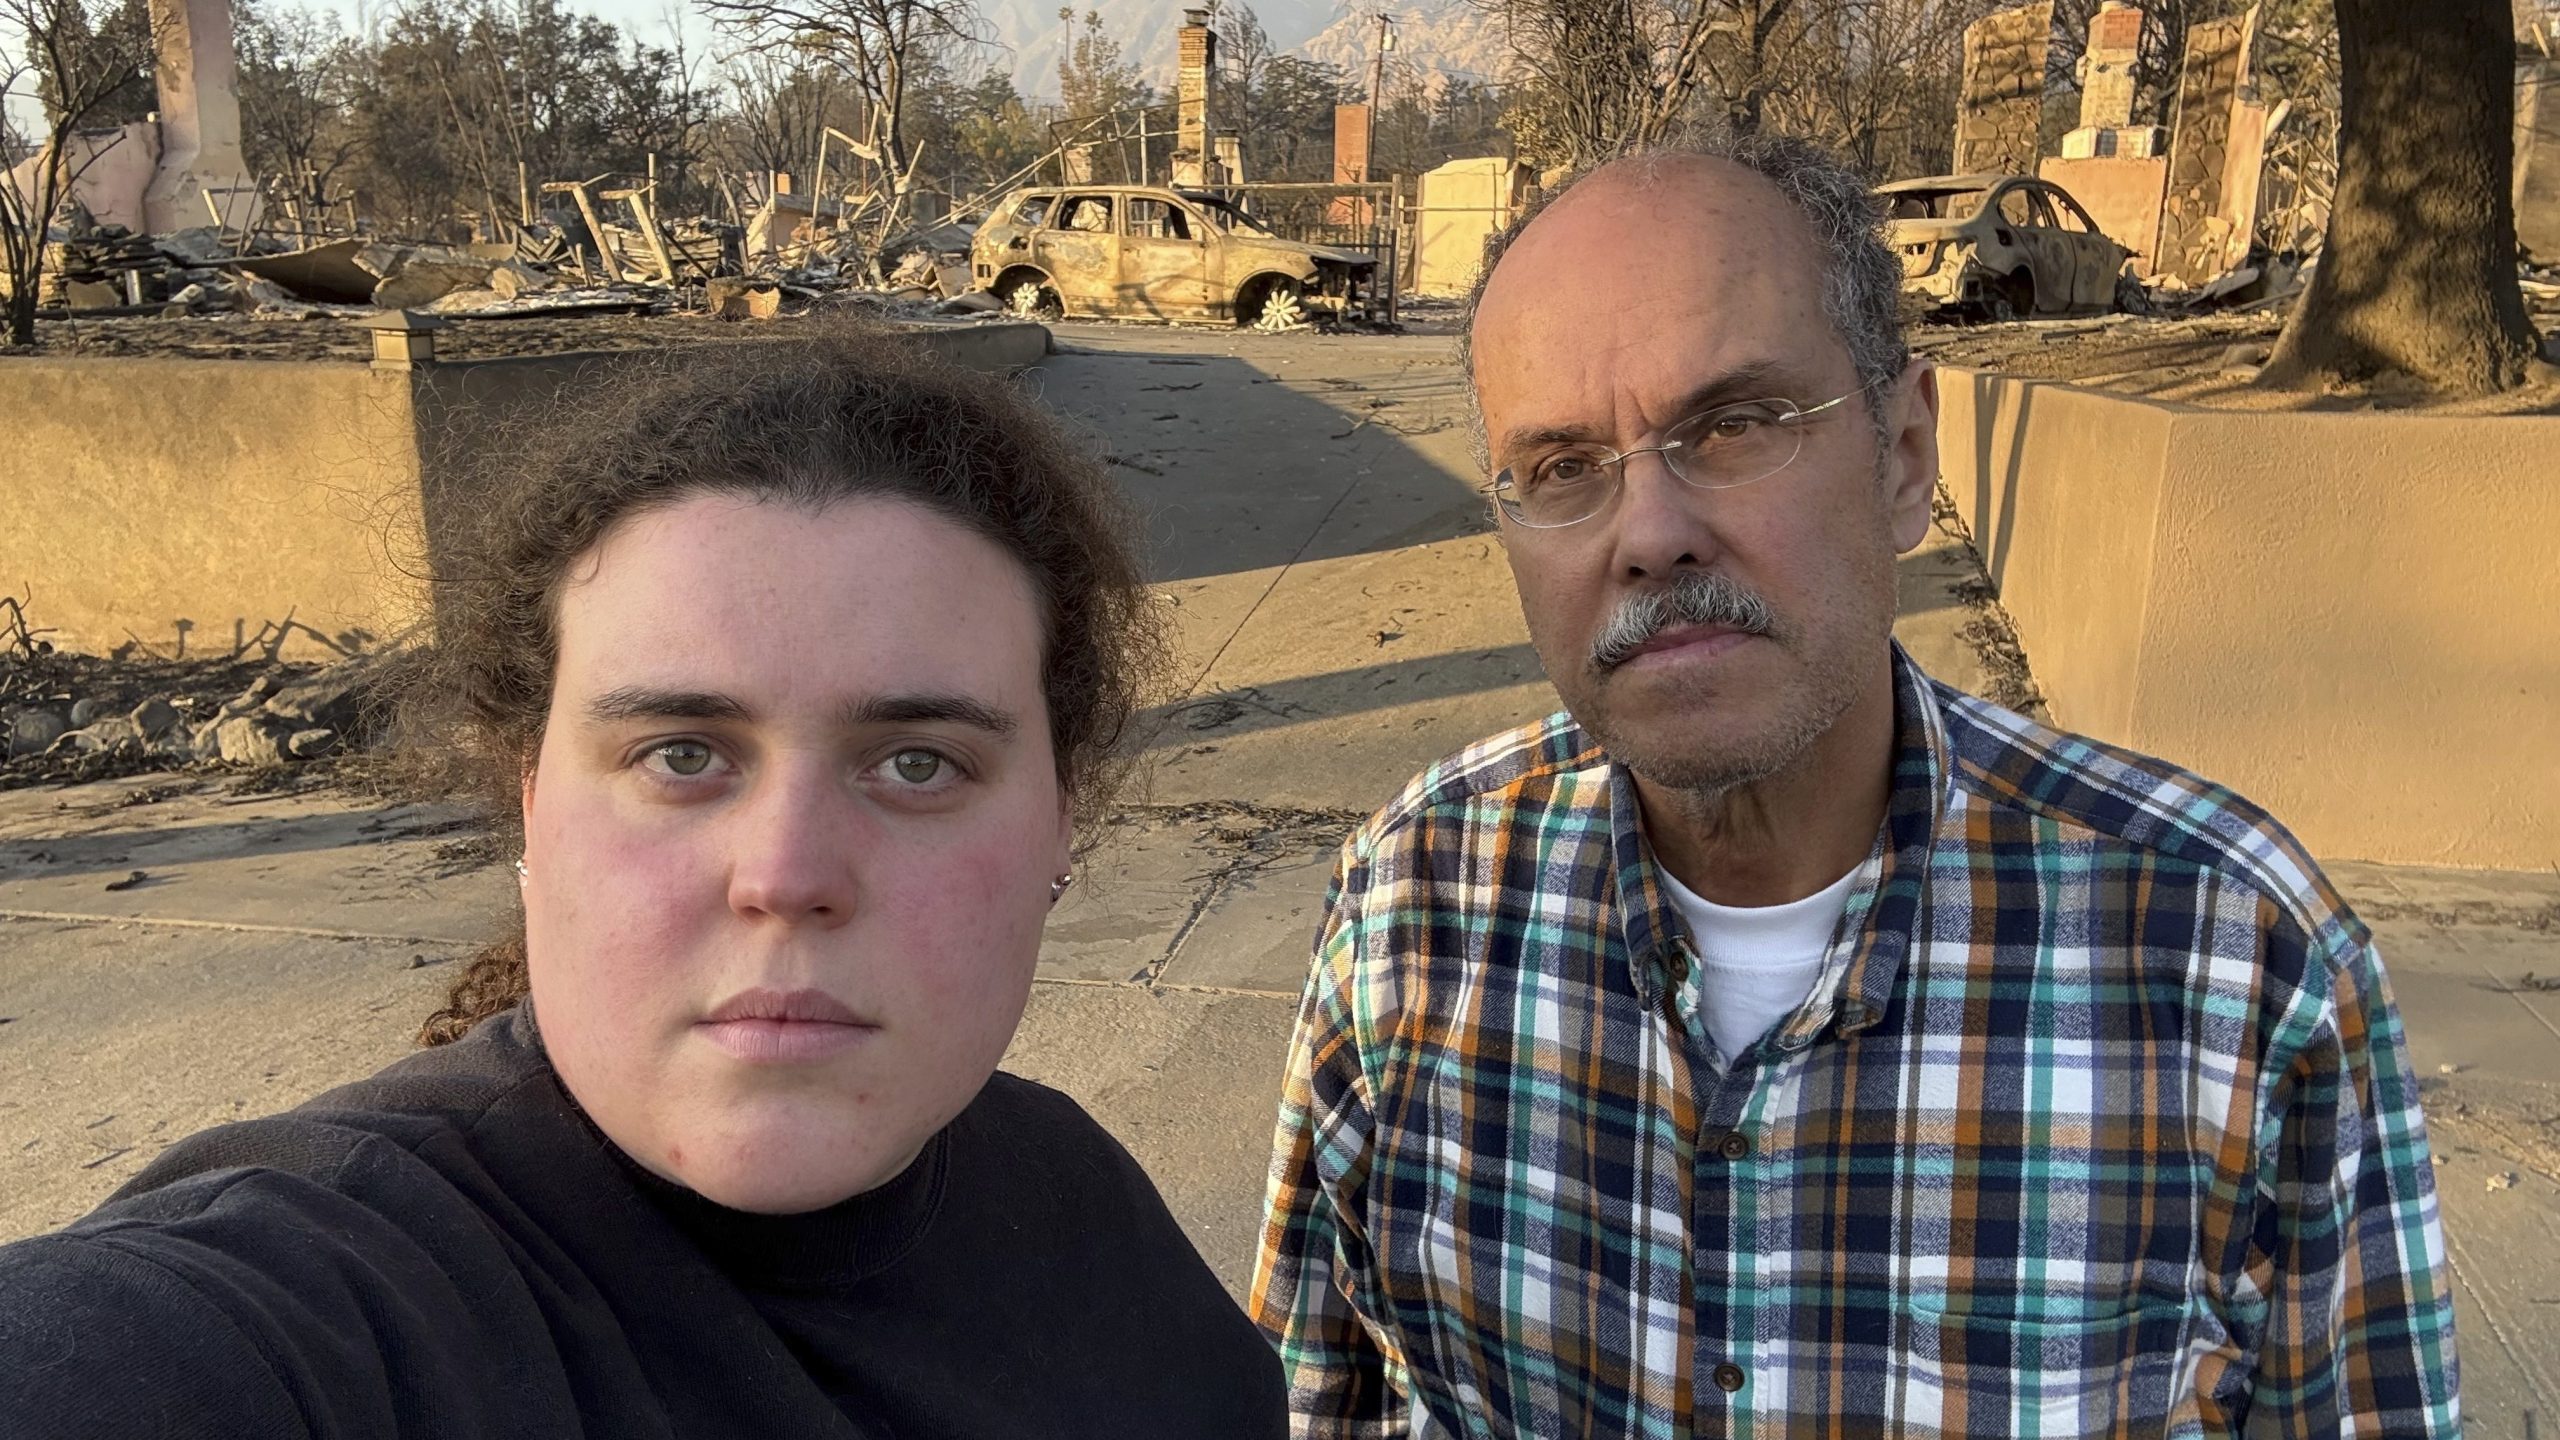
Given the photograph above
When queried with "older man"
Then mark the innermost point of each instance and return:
(1777, 1041)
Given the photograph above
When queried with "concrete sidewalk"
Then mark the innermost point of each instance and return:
(1344, 618)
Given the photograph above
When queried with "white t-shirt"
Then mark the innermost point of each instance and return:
(1756, 963)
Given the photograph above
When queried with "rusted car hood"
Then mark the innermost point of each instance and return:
(1294, 249)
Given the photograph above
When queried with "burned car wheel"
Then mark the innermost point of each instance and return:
(1273, 302)
(1028, 297)
(2012, 298)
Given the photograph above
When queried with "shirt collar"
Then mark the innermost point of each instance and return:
(1884, 907)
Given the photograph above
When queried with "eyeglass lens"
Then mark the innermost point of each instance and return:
(1718, 449)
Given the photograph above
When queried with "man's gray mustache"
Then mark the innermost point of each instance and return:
(1697, 597)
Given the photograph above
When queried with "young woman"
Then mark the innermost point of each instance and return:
(797, 666)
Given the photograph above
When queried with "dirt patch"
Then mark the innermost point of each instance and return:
(2208, 360)
(2495, 1123)
(2007, 680)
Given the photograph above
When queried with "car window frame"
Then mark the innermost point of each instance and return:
(1172, 205)
(2063, 202)
(1253, 229)
(1996, 205)
(1058, 213)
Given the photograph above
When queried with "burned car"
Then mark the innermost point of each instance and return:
(1138, 251)
(2002, 246)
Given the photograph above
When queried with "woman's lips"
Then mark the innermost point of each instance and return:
(763, 1026)
(781, 1042)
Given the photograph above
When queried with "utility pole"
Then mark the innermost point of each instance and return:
(1377, 86)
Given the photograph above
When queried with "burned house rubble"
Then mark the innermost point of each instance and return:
(2218, 209)
(558, 263)
(2223, 207)
(855, 230)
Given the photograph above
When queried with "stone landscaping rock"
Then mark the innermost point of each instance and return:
(310, 744)
(333, 699)
(249, 699)
(107, 734)
(32, 730)
(156, 717)
(250, 740)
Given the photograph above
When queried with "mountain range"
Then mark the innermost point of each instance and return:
(1456, 37)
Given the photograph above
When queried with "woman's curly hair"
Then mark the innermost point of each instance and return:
(802, 423)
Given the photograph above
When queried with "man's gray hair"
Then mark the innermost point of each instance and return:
(1861, 279)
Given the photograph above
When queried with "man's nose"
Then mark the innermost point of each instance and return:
(1661, 522)
(792, 851)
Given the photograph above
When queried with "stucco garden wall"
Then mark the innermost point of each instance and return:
(142, 497)
(2353, 619)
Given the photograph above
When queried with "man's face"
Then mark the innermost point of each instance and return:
(1634, 302)
(790, 837)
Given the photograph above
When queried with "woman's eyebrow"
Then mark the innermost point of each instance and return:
(641, 702)
(928, 708)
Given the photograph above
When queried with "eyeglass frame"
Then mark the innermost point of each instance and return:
(1617, 461)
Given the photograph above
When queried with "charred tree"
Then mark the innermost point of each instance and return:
(79, 63)
(2418, 273)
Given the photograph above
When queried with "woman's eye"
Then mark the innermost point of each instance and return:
(917, 767)
(681, 757)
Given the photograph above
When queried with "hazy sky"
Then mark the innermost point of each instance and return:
(651, 20)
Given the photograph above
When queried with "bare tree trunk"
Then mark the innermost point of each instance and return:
(22, 303)
(2419, 270)
(23, 221)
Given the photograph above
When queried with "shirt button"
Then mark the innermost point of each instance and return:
(1728, 1378)
(1734, 1145)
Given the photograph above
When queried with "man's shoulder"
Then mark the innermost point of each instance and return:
(2116, 796)
(1492, 778)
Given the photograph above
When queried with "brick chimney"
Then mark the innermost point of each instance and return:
(1193, 164)
(2106, 73)
(1350, 163)
(199, 83)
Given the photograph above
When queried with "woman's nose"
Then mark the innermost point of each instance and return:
(793, 850)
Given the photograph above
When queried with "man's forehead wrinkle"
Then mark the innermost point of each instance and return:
(1756, 379)
(1545, 411)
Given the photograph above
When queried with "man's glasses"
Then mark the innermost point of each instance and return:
(1719, 449)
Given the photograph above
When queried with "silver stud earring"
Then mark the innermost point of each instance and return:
(522, 874)
(1058, 887)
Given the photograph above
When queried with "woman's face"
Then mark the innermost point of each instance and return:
(789, 839)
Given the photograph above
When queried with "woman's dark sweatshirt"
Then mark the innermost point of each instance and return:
(452, 1249)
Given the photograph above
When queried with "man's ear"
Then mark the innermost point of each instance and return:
(1911, 461)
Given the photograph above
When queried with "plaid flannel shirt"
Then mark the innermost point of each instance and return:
(2097, 1121)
